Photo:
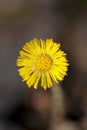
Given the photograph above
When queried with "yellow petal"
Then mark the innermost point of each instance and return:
(49, 81)
(43, 81)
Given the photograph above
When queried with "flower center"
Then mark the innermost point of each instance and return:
(43, 62)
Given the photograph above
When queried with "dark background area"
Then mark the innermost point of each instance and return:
(65, 21)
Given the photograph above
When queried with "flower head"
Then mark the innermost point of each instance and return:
(43, 61)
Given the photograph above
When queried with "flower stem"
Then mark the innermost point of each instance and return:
(58, 106)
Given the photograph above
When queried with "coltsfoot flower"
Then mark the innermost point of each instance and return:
(42, 61)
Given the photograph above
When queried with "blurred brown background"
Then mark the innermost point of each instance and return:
(65, 21)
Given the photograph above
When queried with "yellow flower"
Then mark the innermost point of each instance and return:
(42, 61)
